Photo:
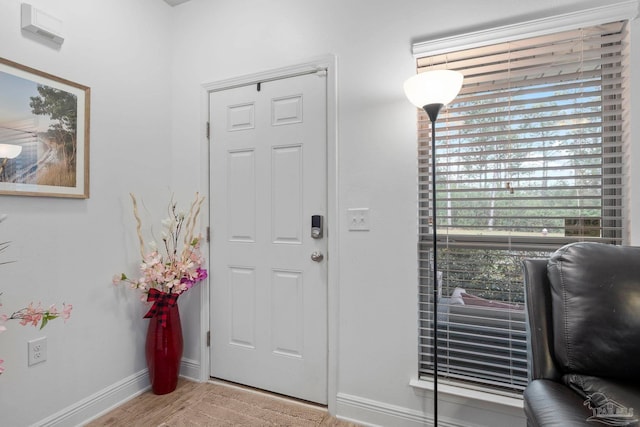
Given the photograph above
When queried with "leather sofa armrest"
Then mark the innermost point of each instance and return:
(539, 321)
(551, 404)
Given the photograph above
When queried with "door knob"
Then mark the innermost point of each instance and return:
(317, 256)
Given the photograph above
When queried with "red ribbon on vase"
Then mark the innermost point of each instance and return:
(162, 302)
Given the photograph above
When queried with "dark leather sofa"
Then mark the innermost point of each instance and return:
(583, 319)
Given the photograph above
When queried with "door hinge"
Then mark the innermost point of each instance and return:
(208, 234)
(208, 338)
(208, 129)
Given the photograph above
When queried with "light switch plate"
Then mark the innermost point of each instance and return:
(358, 219)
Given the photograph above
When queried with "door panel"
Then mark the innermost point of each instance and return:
(268, 177)
(287, 190)
(241, 196)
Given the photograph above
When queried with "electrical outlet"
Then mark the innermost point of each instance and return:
(37, 350)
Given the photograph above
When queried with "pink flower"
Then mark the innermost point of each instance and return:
(53, 311)
(66, 311)
(31, 315)
(199, 275)
(202, 274)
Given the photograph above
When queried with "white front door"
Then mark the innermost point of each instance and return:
(268, 178)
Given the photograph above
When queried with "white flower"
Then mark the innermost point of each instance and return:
(168, 223)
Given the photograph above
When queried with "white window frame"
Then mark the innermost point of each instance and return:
(623, 10)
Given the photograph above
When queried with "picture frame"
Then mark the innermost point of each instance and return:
(48, 118)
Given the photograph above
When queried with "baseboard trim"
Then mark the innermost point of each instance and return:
(383, 414)
(373, 413)
(113, 396)
(190, 369)
(101, 402)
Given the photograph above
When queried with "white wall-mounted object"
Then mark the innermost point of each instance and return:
(42, 24)
(37, 351)
(358, 219)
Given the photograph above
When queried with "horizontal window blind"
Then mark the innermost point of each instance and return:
(529, 157)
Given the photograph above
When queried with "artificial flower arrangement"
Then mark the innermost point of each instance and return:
(31, 315)
(168, 272)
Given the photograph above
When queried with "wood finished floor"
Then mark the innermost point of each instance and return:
(216, 404)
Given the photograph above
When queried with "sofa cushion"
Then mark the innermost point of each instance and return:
(595, 298)
(610, 402)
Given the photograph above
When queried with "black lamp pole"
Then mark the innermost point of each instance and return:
(432, 90)
(432, 111)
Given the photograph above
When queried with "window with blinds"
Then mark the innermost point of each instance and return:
(529, 156)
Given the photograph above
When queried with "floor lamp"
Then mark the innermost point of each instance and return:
(431, 91)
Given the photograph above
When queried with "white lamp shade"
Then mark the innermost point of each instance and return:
(433, 87)
(10, 151)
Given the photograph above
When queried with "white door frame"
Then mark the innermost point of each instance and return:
(328, 63)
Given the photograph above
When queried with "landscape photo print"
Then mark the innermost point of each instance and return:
(45, 119)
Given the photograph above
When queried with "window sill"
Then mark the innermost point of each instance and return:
(458, 389)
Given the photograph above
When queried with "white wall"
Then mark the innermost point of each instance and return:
(68, 250)
(215, 40)
(145, 63)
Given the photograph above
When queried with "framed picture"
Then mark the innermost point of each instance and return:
(44, 134)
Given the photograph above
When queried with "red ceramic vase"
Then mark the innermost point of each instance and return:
(164, 350)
